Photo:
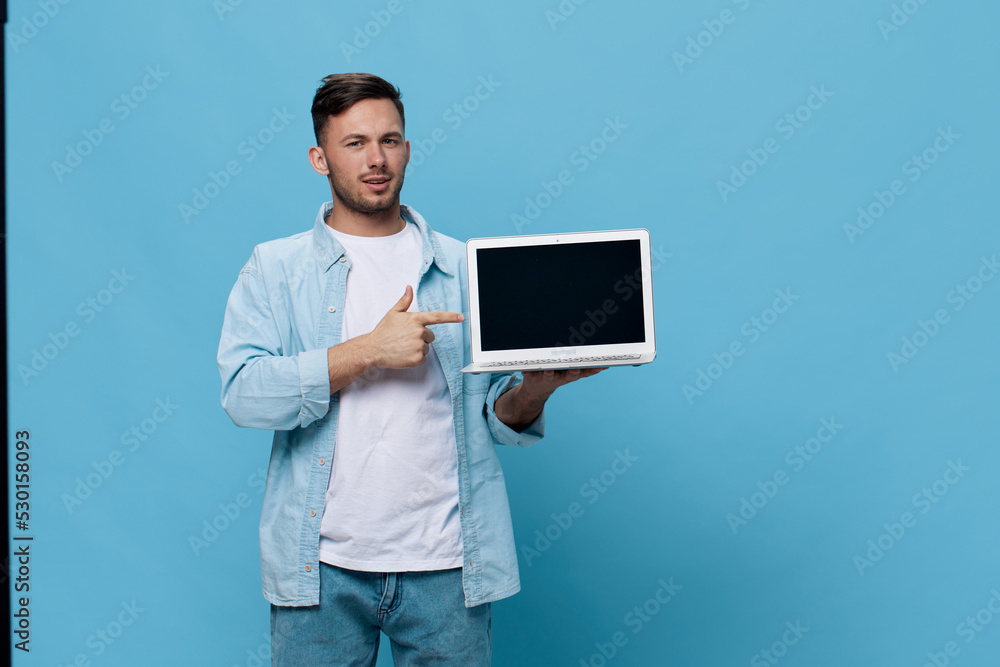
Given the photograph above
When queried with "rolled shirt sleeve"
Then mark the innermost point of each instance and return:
(502, 433)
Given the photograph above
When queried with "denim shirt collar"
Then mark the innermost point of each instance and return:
(329, 250)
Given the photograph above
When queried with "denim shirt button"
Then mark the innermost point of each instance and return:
(309, 568)
(332, 309)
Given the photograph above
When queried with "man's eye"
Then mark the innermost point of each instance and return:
(354, 143)
(392, 141)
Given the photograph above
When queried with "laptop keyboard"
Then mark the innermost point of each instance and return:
(564, 360)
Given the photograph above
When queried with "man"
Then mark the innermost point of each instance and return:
(385, 506)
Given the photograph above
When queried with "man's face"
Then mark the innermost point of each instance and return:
(366, 155)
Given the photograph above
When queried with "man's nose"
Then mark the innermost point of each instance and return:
(376, 156)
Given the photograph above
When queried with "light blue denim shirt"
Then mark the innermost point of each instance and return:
(283, 313)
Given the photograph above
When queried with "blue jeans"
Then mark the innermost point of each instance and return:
(423, 614)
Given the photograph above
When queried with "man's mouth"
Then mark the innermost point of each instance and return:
(376, 183)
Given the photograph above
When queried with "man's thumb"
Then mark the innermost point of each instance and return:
(404, 303)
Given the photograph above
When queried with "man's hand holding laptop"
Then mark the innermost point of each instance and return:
(521, 405)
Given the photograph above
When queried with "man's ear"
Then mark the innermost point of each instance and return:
(405, 164)
(317, 158)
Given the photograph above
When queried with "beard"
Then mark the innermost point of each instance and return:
(351, 193)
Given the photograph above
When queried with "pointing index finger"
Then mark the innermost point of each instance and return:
(439, 317)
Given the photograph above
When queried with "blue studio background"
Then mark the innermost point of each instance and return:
(806, 475)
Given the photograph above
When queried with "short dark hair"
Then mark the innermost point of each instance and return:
(339, 92)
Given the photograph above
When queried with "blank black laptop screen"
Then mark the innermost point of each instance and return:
(560, 295)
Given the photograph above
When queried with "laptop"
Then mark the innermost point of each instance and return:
(558, 301)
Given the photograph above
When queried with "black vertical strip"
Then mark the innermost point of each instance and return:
(6, 648)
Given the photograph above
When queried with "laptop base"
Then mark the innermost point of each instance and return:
(569, 364)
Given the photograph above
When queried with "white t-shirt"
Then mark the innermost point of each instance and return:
(392, 501)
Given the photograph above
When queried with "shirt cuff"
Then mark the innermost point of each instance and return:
(314, 385)
(504, 434)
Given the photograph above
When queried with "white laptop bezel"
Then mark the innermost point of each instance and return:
(646, 349)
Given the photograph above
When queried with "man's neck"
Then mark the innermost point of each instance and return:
(384, 223)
